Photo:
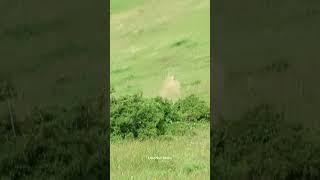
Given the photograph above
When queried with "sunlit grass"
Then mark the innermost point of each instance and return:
(155, 38)
(188, 157)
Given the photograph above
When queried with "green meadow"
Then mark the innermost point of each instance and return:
(152, 39)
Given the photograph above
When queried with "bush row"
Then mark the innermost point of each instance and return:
(139, 117)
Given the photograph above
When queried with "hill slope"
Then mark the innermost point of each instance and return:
(153, 38)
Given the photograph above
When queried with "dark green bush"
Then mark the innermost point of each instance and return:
(192, 108)
(139, 117)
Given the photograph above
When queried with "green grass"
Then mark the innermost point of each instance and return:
(122, 5)
(189, 157)
(167, 37)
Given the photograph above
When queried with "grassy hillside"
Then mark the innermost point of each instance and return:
(123, 5)
(153, 38)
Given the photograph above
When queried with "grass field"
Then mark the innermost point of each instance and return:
(149, 40)
(187, 156)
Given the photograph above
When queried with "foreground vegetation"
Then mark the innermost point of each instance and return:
(187, 156)
(158, 128)
(69, 143)
(258, 145)
(139, 117)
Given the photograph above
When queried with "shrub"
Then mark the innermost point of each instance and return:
(140, 117)
(192, 108)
